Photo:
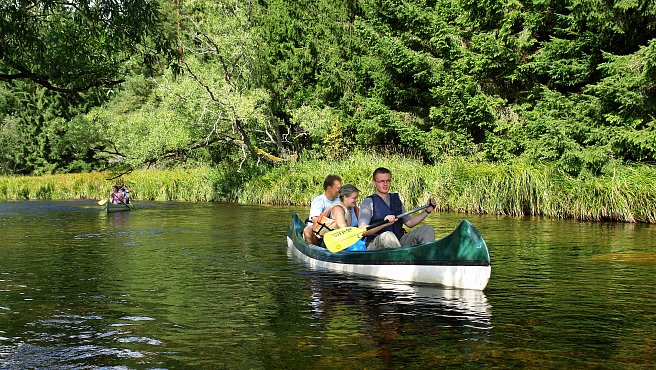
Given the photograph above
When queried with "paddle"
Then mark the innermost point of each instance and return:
(343, 238)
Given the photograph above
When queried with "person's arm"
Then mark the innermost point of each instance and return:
(339, 215)
(418, 218)
(366, 212)
(391, 218)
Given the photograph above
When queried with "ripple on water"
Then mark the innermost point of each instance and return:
(637, 257)
(87, 236)
(25, 356)
(137, 318)
(147, 340)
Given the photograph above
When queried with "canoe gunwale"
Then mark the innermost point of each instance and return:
(121, 207)
(382, 257)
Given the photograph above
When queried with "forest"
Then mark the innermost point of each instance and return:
(121, 85)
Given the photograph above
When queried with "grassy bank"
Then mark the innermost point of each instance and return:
(197, 184)
(627, 194)
(459, 185)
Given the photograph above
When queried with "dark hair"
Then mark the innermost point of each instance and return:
(380, 170)
(347, 190)
(330, 181)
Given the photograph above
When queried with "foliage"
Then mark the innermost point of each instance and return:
(58, 61)
(80, 44)
(516, 82)
(40, 132)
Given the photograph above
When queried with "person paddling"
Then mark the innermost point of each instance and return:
(116, 196)
(345, 213)
(383, 206)
(125, 191)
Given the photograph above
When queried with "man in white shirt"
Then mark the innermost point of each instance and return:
(331, 186)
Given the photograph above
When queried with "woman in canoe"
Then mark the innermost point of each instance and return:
(116, 196)
(346, 213)
(343, 213)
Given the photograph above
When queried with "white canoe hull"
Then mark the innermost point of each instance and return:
(462, 277)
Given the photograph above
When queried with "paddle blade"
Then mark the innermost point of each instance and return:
(341, 239)
(102, 202)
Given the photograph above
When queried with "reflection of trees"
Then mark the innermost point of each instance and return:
(392, 324)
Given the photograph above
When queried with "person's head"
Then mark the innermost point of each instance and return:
(348, 195)
(382, 179)
(115, 188)
(331, 186)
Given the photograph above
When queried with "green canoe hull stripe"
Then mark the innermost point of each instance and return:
(463, 247)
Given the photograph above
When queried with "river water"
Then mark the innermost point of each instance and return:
(203, 285)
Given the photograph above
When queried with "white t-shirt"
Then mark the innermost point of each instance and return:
(318, 205)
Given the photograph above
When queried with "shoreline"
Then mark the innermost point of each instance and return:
(458, 185)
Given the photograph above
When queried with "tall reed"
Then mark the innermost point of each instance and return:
(66, 186)
(458, 185)
(462, 185)
(196, 184)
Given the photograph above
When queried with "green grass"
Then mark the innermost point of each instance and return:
(196, 184)
(462, 185)
(459, 185)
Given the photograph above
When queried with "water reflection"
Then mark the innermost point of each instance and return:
(391, 323)
(453, 307)
(183, 285)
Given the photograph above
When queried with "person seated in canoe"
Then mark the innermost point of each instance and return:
(331, 186)
(116, 196)
(384, 205)
(345, 212)
(125, 191)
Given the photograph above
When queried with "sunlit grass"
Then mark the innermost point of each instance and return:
(197, 184)
(458, 185)
(462, 185)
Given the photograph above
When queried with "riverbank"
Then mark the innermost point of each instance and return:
(626, 194)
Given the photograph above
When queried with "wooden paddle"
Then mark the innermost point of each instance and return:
(102, 202)
(343, 238)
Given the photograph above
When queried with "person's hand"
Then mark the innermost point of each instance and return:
(431, 205)
(390, 219)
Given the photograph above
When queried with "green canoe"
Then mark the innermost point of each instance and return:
(109, 207)
(460, 259)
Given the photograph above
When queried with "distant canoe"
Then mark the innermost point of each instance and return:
(460, 259)
(109, 207)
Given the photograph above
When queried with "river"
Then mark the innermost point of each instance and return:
(205, 285)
